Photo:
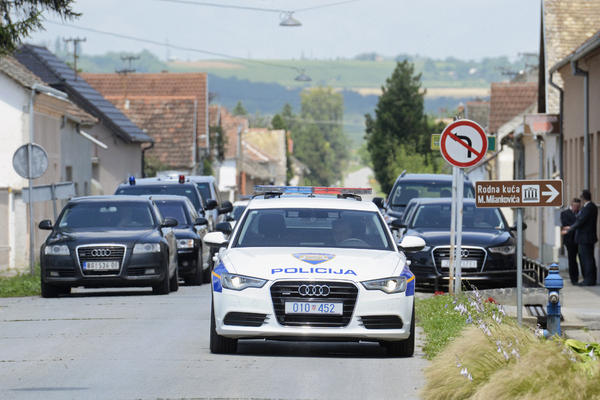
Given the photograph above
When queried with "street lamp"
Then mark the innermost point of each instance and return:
(287, 19)
(302, 77)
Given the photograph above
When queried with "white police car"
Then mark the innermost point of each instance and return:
(312, 267)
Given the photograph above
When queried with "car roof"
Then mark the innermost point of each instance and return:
(427, 177)
(168, 197)
(312, 202)
(115, 198)
(148, 182)
(442, 200)
(241, 203)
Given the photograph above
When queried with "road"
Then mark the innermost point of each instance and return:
(99, 344)
(359, 178)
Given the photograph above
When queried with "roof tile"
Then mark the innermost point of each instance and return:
(509, 99)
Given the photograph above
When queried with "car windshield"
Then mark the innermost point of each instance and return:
(177, 190)
(237, 212)
(405, 191)
(204, 189)
(174, 209)
(308, 227)
(116, 215)
(438, 216)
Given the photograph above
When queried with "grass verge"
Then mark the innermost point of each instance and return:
(479, 353)
(21, 285)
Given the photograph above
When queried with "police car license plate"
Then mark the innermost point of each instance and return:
(100, 265)
(464, 264)
(301, 307)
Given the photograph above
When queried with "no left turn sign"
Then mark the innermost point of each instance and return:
(463, 143)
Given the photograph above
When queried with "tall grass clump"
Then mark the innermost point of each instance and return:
(493, 358)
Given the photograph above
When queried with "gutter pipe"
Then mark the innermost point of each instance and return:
(575, 70)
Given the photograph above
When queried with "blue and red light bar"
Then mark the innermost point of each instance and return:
(310, 190)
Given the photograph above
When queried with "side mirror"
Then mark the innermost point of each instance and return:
(211, 204)
(200, 221)
(514, 227)
(378, 202)
(397, 225)
(224, 227)
(168, 223)
(215, 239)
(226, 207)
(45, 225)
(412, 243)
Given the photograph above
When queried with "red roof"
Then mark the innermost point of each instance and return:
(167, 120)
(509, 99)
(164, 85)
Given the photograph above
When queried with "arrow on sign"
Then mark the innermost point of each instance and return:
(552, 193)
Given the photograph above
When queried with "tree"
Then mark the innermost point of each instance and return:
(21, 18)
(399, 134)
(239, 109)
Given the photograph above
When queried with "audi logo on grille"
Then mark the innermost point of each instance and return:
(464, 253)
(100, 252)
(314, 290)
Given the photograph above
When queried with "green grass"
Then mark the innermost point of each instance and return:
(440, 323)
(20, 285)
(335, 73)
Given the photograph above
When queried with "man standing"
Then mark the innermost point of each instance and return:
(567, 218)
(585, 237)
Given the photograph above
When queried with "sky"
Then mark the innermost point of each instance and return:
(465, 29)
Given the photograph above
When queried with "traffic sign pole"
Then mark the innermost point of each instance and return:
(519, 266)
(452, 232)
(459, 222)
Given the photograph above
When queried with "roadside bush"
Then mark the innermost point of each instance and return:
(493, 358)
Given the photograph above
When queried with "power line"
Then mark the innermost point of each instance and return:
(249, 8)
(172, 46)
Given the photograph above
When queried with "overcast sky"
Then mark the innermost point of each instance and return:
(467, 29)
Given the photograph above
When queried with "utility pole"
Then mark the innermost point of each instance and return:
(130, 60)
(76, 42)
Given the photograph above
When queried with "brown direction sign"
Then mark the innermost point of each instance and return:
(516, 194)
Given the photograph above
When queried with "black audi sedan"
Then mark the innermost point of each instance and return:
(488, 244)
(194, 267)
(109, 241)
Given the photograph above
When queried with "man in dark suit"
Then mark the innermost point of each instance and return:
(585, 237)
(567, 218)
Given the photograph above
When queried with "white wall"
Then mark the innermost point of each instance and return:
(13, 130)
(118, 162)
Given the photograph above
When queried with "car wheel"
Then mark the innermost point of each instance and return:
(198, 276)
(403, 348)
(164, 287)
(49, 291)
(174, 284)
(220, 344)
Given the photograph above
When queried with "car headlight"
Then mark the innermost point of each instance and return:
(143, 248)
(240, 282)
(185, 243)
(505, 250)
(388, 285)
(57, 250)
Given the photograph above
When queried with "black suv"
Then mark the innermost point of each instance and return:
(410, 186)
(109, 241)
(488, 244)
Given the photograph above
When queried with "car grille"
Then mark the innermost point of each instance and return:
(381, 321)
(474, 253)
(340, 292)
(244, 319)
(87, 253)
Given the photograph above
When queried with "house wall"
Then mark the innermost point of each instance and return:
(573, 118)
(119, 161)
(76, 159)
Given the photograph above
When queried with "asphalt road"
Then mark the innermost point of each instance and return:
(99, 344)
(360, 178)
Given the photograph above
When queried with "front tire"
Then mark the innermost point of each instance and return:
(174, 283)
(50, 291)
(220, 344)
(406, 347)
(164, 287)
